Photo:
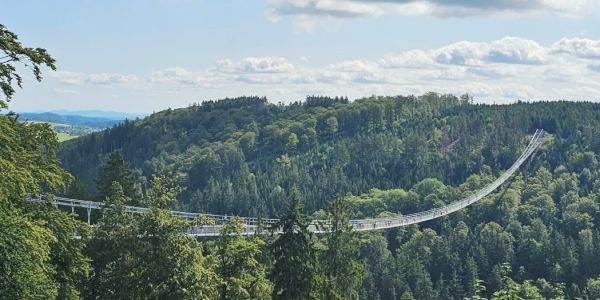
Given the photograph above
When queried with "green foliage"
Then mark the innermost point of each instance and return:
(168, 263)
(294, 270)
(340, 261)
(27, 160)
(66, 249)
(231, 147)
(110, 250)
(13, 52)
(390, 155)
(24, 258)
(149, 256)
(592, 288)
(115, 170)
(238, 265)
(479, 289)
(77, 190)
(162, 193)
(509, 289)
(39, 258)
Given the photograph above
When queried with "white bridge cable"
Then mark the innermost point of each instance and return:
(258, 225)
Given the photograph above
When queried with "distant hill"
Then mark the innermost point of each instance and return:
(96, 122)
(111, 115)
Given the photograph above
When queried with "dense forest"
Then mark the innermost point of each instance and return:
(387, 155)
(241, 156)
(537, 237)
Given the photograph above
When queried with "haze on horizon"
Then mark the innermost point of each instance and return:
(144, 56)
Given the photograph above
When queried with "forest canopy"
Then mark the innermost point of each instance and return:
(534, 238)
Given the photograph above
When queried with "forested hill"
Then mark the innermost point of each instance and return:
(243, 155)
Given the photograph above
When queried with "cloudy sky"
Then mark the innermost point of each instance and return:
(144, 56)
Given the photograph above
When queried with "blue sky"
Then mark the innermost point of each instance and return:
(144, 56)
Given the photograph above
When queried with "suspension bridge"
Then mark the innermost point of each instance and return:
(257, 225)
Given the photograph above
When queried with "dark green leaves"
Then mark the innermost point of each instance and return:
(12, 53)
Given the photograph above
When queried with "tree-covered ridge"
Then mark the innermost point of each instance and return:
(242, 155)
(535, 238)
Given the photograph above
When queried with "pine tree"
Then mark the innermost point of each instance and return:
(115, 170)
(111, 249)
(295, 261)
(340, 263)
(77, 190)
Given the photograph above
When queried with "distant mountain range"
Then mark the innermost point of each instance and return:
(78, 120)
(111, 115)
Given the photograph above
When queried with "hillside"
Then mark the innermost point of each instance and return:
(241, 155)
(536, 237)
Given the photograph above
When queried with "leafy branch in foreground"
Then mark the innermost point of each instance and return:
(13, 52)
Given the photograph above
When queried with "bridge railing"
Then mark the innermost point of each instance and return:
(403, 220)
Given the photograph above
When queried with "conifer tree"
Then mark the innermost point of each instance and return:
(115, 170)
(294, 254)
(340, 263)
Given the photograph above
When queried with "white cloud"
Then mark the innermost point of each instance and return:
(262, 78)
(335, 8)
(583, 48)
(78, 78)
(265, 65)
(497, 71)
(508, 50)
(353, 66)
(461, 53)
(104, 78)
(68, 77)
(493, 71)
(255, 65)
(452, 73)
(408, 59)
(344, 9)
(180, 76)
(516, 50)
(370, 77)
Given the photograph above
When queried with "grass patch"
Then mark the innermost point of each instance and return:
(64, 136)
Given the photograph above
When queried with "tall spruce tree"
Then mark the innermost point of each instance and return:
(340, 261)
(111, 248)
(295, 260)
(115, 170)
